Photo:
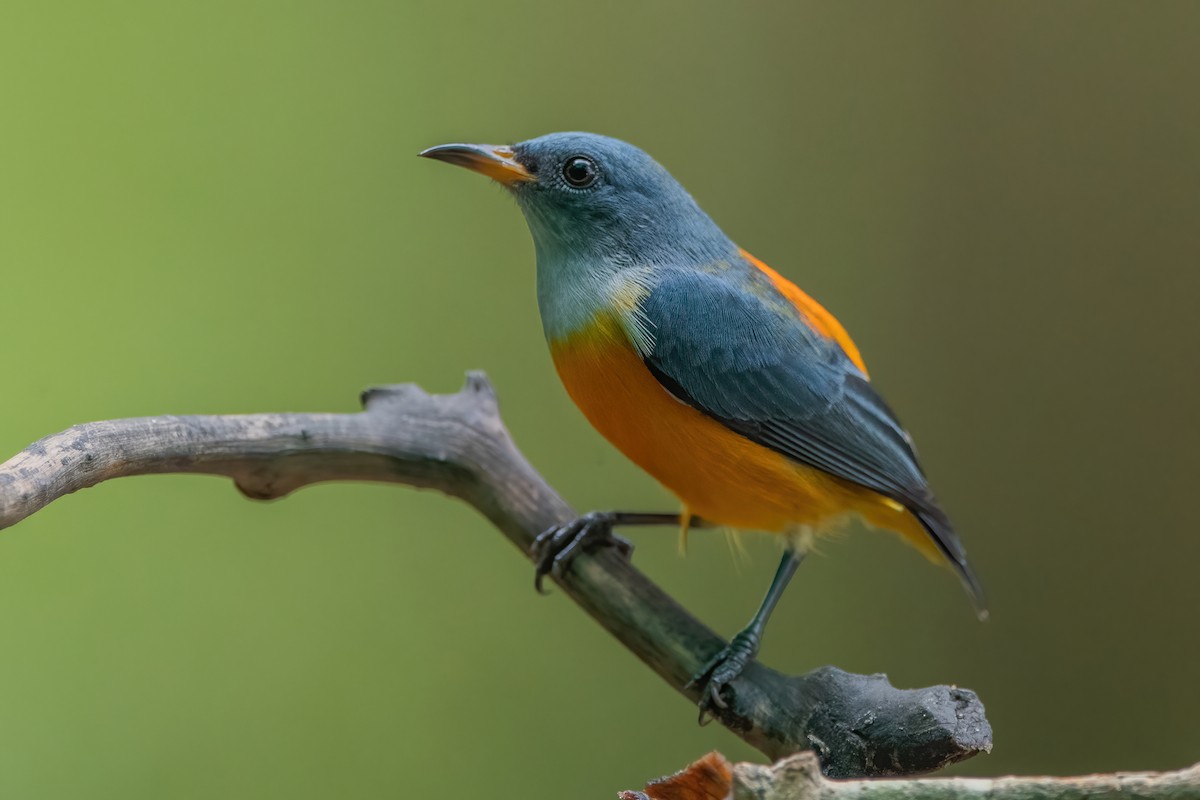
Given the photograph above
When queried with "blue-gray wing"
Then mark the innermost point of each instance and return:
(728, 344)
(741, 353)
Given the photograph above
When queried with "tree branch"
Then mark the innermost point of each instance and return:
(457, 444)
(799, 777)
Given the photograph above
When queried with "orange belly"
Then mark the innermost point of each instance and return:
(719, 475)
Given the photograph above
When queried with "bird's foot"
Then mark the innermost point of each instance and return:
(722, 669)
(555, 549)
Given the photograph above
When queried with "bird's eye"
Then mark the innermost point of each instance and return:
(580, 172)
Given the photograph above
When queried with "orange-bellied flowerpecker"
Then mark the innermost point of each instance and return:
(711, 371)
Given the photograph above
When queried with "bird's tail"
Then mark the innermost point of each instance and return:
(938, 526)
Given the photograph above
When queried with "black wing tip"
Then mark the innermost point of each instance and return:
(974, 588)
(947, 542)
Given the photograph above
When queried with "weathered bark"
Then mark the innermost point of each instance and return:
(860, 724)
(799, 777)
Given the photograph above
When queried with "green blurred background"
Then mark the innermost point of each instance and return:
(216, 207)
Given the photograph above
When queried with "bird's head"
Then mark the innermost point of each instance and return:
(594, 197)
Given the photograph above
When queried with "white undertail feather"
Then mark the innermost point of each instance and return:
(737, 548)
(802, 539)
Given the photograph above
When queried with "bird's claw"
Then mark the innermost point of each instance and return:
(721, 670)
(556, 548)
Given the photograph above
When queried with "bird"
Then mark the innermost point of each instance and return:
(715, 374)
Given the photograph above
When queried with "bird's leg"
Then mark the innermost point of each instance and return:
(730, 660)
(554, 549)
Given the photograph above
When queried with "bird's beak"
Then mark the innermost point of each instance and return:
(495, 161)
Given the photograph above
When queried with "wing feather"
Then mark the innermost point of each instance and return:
(728, 343)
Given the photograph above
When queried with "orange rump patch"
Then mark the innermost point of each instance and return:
(824, 322)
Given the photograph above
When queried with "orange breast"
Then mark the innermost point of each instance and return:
(719, 475)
